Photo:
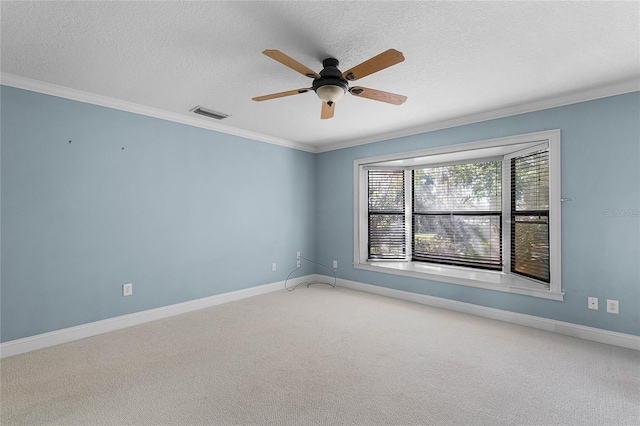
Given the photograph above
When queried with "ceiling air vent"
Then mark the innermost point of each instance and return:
(209, 113)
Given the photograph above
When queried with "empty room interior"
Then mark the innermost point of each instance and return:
(283, 212)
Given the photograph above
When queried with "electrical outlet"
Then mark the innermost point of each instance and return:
(298, 255)
(613, 306)
(592, 303)
(127, 289)
(335, 264)
(274, 266)
(298, 264)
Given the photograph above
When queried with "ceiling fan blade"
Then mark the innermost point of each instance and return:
(377, 95)
(291, 63)
(379, 62)
(327, 110)
(281, 94)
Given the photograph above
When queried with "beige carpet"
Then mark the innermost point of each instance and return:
(324, 356)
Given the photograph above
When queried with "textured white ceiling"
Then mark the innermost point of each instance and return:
(462, 58)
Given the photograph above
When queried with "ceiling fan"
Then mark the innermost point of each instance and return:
(330, 83)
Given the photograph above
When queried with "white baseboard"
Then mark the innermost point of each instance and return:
(40, 341)
(580, 331)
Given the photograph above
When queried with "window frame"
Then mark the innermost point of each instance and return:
(503, 148)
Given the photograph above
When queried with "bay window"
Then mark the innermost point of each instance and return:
(484, 214)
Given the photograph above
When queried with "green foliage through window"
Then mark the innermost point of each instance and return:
(457, 214)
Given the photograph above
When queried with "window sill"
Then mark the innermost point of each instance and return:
(490, 280)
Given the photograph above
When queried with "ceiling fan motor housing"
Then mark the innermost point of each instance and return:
(330, 76)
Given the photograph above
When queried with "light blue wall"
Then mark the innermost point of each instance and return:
(180, 212)
(600, 250)
(186, 213)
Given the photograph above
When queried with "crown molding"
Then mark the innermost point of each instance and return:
(91, 98)
(597, 92)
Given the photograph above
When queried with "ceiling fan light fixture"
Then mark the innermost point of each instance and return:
(330, 93)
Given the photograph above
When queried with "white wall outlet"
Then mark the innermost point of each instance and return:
(274, 266)
(298, 264)
(127, 289)
(335, 264)
(613, 306)
(592, 303)
(298, 255)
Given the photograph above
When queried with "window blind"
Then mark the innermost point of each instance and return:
(387, 231)
(457, 215)
(530, 215)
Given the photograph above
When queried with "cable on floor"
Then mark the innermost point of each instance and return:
(335, 280)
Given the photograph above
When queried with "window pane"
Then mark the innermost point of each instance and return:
(465, 240)
(386, 191)
(531, 181)
(387, 236)
(460, 187)
(531, 248)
